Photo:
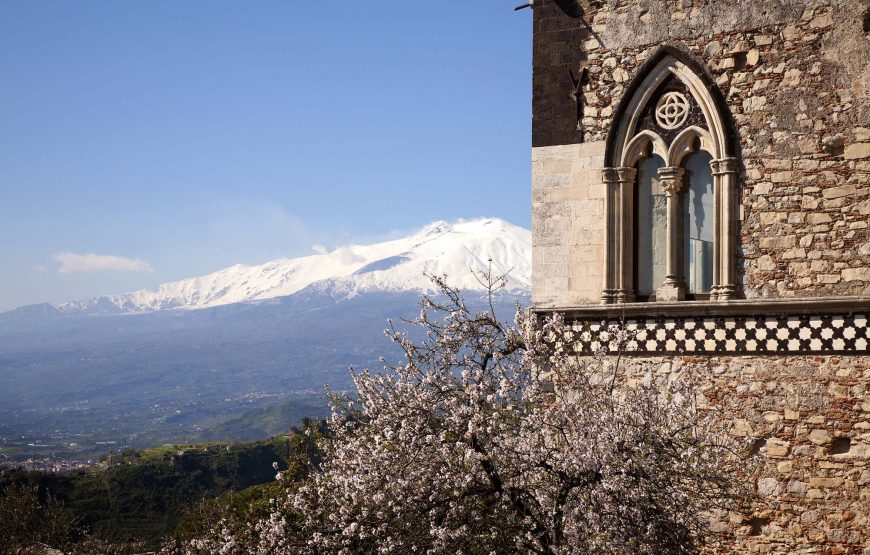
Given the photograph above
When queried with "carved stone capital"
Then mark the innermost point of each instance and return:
(618, 175)
(610, 175)
(671, 179)
(724, 166)
(626, 175)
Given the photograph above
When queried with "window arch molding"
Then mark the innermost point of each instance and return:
(630, 139)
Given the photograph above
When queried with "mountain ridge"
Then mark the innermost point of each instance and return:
(458, 250)
(126, 371)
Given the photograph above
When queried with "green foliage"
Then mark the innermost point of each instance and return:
(239, 508)
(28, 516)
(144, 496)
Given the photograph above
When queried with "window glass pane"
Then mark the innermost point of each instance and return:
(652, 229)
(698, 221)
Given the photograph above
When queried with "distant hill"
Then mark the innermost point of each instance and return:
(143, 495)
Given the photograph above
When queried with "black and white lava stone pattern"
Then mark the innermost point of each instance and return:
(729, 335)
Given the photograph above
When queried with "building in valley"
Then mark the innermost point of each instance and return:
(701, 172)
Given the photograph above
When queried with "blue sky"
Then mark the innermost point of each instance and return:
(183, 137)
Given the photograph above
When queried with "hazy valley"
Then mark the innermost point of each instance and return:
(219, 357)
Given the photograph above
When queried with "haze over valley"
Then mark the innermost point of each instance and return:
(239, 354)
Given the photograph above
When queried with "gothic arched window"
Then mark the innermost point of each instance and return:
(671, 180)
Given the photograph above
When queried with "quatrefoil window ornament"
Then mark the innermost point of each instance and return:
(672, 110)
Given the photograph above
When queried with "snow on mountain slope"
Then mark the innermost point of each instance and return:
(400, 265)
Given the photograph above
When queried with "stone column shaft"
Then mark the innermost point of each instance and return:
(625, 221)
(619, 247)
(673, 287)
(611, 187)
(725, 174)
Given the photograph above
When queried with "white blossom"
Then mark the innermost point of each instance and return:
(497, 438)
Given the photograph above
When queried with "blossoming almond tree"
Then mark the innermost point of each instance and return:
(495, 438)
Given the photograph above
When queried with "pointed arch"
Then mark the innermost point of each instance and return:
(667, 61)
(684, 144)
(642, 143)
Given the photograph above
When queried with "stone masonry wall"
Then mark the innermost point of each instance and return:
(568, 235)
(796, 76)
(808, 418)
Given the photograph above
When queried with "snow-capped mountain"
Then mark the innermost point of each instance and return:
(194, 352)
(456, 250)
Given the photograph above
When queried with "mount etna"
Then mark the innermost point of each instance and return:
(239, 354)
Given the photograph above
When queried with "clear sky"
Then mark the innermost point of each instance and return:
(142, 142)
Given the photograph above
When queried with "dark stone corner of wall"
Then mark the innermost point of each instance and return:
(557, 55)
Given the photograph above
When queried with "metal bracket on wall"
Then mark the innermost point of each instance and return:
(577, 95)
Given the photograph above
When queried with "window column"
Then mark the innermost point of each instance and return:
(673, 288)
(611, 186)
(618, 248)
(725, 245)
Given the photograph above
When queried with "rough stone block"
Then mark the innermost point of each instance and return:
(769, 487)
(765, 263)
(820, 437)
(776, 448)
(856, 274)
(857, 151)
(838, 192)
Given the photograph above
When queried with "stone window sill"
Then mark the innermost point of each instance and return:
(795, 305)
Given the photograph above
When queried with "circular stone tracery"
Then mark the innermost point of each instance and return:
(672, 110)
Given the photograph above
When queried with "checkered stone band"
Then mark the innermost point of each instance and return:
(726, 335)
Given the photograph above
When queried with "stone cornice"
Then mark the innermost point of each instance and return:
(803, 305)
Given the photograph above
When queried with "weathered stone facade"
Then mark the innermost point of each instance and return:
(809, 417)
(791, 82)
(796, 79)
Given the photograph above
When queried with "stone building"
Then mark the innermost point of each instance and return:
(701, 173)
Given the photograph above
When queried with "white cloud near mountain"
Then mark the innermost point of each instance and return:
(72, 263)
